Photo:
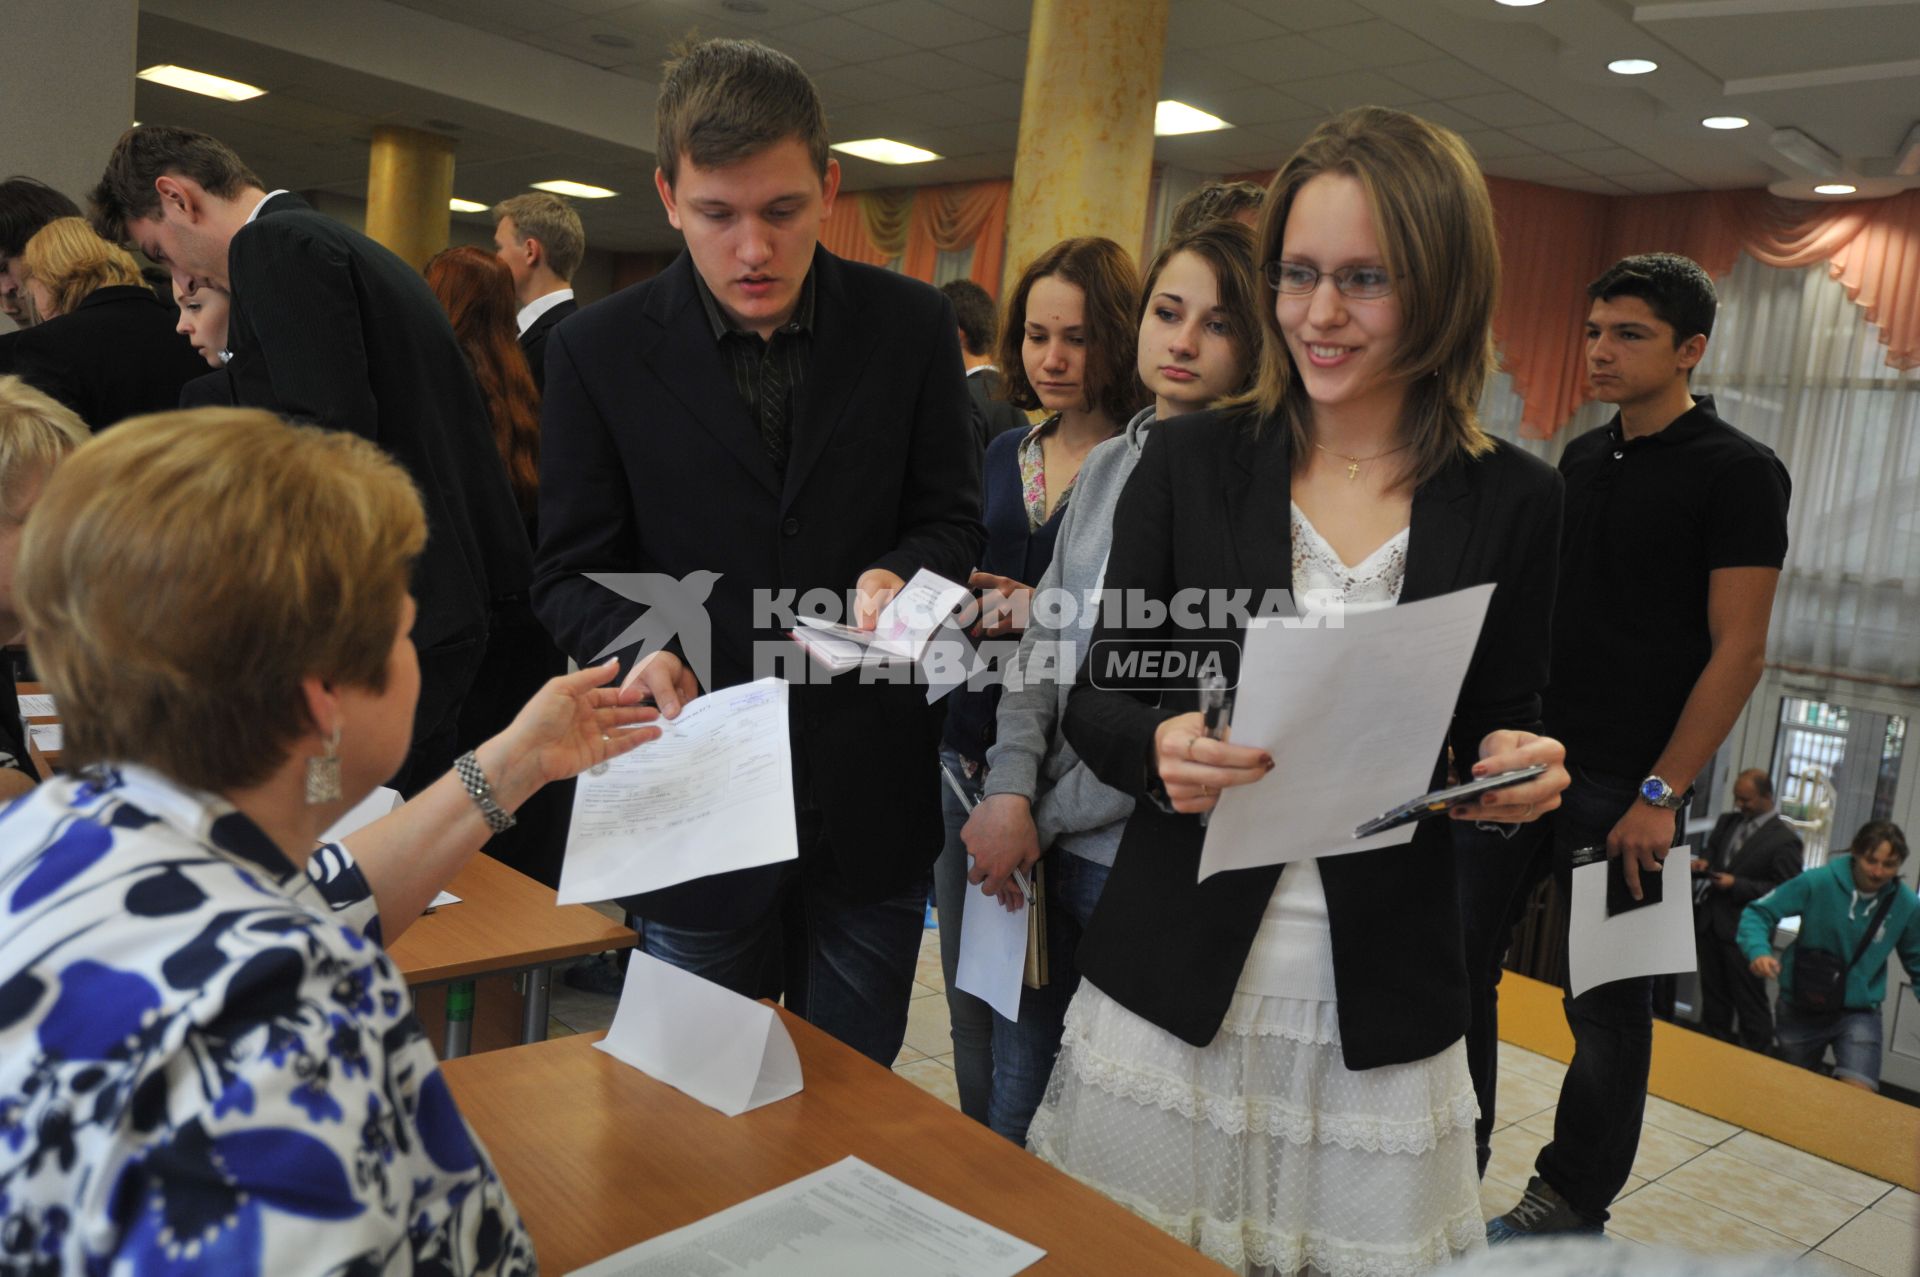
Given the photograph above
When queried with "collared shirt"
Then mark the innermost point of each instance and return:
(262, 204)
(540, 306)
(767, 374)
(208, 1061)
(1748, 828)
(1648, 520)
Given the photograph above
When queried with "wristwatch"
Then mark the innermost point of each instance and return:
(1658, 793)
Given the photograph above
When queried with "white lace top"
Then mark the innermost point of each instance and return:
(1292, 954)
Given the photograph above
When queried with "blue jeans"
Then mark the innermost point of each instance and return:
(844, 968)
(1024, 1050)
(1855, 1037)
(971, 1019)
(1596, 1129)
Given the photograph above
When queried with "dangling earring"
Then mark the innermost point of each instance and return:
(323, 773)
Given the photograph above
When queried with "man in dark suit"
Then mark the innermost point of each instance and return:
(1749, 853)
(328, 326)
(792, 422)
(539, 237)
(26, 204)
(979, 327)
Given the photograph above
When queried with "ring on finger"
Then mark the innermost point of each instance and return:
(1191, 740)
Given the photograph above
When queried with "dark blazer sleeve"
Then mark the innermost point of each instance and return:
(1113, 730)
(306, 325)
(940, 498)
(587, 519)
(1508, 676)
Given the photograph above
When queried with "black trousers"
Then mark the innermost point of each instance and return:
(1728, 988)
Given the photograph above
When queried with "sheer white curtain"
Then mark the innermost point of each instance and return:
(1796, 365)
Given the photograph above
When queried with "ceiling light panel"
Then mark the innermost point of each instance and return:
(884, 150)
(578, 190)
(1171, 119)
(212, 86)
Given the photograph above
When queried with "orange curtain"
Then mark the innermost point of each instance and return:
(947, 219)
(1554, 242)
(844, 232)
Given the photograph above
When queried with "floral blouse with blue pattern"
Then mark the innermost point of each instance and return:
(207, 1061)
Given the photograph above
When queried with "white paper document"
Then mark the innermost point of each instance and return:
(1354, 716)
(714, 793)
(443, 898)
(37, 705)
(47, 737)
(993, 952)
(900, 632)
(1655, 939)
(844, 1220)
(380, 802)
(730, 1053)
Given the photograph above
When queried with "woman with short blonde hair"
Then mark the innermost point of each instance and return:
(211, 1055)
(104, 345)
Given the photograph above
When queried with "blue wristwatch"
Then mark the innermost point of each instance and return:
(1658, 793)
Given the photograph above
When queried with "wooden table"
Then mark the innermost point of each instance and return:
(505, 922)
(599, 1156)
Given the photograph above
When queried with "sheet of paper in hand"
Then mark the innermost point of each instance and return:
(900, 633)
(1655, 938)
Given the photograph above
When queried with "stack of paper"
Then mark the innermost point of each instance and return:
(901, 633)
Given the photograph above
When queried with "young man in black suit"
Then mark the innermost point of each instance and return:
(781, 421)
(539, 237)
(1749, 853)
(1675, 534)
(327, 326)
(979, 325)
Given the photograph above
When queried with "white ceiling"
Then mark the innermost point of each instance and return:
(535, 89)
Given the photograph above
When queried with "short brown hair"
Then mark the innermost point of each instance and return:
(125, 193)
(546, 217)
(1215, 201)
(1435, 221)
(184, 571)
(723, 100)
(1106, 278)
(36, 431)
(70, 262)
(1873, 833)
(1227, 248)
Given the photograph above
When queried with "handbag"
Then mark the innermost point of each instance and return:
(1820, 978)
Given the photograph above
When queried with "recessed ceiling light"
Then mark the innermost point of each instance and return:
(579, 190)
(213, 86)
(1725, 122)
(884, 150)
(1632, 66)
(1834, 188)
(459, 205)
(1170, 119)
(1519, 4)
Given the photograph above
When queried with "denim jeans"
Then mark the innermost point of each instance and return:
(970, 1018)
(845, 968)
(1596, 1128)
(1855, 1037)
(1024, 1050)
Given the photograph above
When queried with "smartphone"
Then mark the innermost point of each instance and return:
(1441, 799)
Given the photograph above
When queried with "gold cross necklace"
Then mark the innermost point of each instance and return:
(1354, 463)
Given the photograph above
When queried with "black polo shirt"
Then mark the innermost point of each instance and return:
(1646, 521)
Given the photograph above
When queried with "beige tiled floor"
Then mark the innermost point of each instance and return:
(1698, 1184)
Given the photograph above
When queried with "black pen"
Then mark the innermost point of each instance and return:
(1213, 713)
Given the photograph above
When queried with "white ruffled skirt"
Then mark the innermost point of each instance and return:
(1263, 1150)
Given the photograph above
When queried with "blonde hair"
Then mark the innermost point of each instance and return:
(70, 262)
(1435, 221)
(182, 573)
(36, 431)
(546, 217)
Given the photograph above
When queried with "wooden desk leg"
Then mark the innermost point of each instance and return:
(533, 1027)
(459, 1019)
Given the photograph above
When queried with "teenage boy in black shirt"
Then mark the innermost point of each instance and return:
(1676, 528)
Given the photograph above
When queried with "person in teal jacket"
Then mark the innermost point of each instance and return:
(1836, 903)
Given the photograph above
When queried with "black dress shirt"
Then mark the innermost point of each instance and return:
(768, 374)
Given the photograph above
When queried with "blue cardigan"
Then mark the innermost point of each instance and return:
(1013, 551)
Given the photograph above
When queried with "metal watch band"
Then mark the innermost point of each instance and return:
(1673, 801)
(467, 768)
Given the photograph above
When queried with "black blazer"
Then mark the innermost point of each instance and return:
(116, 356)
(1770, 856)
(992, 416)
(328, 326)
(650, 462)
(533, 342)
(1207, 508)
(213, 390)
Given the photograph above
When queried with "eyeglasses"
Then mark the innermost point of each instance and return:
(1362, 283)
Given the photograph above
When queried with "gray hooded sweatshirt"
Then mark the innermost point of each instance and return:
(1030, 756)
